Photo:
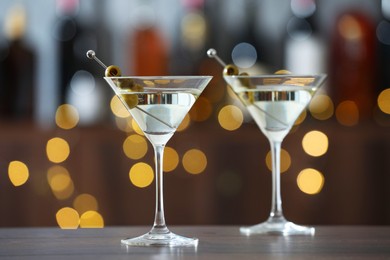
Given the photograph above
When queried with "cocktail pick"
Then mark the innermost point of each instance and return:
(92, 55)
(212, 53)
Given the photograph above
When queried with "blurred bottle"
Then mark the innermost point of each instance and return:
(383, 36)
(304, 49)
(147, 48)
(249, 50)
(17, 69)
(189, 47)
(78, 76)
(352, 67)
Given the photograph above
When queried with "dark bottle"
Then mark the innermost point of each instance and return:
(17, 69)
(383, 35)
(189, 46)
(80, 79)
(74, 39)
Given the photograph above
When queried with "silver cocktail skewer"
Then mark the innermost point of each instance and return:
(92, 55)
(212, 53)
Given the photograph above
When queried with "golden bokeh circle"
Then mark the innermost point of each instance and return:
(18, 173)
(68, 218)
(57, 150)
(91, 219)
(194, 161)
(384, 101)
(347, 113)
(315, 143)
(85, 202)
(135, 146)
(117, 108)
(321, 107)
(310, 181)
(285, 160)
(66, 116)
(171, 159)
(230, 117)
(141, 175)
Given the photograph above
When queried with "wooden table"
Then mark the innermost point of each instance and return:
(216, 242)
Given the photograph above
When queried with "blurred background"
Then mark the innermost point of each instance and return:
(72, 157)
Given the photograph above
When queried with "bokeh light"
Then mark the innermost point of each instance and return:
(285, 160)
(201, 110)
(171, 159)
(193, 30)
(310, 181)
(68, 218)
(91, 219)
(315, 143)
(349, 28)
(135, 146)
(383, 32)
(194, 161)
(117, 108)
(85, 202)
(303, 8)
(244, 55)
(230, 117)
(299, 29)
(301, 118)
(66, 116)
(57, 150)
(136, 127)
(185, 123)
(384, 101)
(321, 107)
(347, 113)
(18, 173)
(60, 182)
(141, 175)
(124, 124)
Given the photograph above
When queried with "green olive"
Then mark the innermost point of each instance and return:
(230, 69)
(131, 100)
(137, 88)
(126, 84)
(282, 72)
(113, 71)
(245, 82)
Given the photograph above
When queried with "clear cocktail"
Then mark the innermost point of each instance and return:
(158, 105)
(275, 102)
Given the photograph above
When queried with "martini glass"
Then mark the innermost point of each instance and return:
(275, 102)
(158, 105)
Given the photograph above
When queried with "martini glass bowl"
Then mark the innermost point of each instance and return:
(158, 105)
(275, 102)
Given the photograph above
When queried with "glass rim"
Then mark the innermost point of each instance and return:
(261, 76)
(160, 77)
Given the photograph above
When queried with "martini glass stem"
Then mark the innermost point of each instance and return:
(159, 226)
(276, 204)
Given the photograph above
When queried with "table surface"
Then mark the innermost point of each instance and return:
(215, 242)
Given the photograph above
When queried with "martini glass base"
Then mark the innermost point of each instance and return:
(164, 240)
(277, 226)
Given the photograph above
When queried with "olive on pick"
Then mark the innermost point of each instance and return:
(131, 100)
(245, 81)
(126, 84)
(282, 72)
(113, 71)
(230, 69)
